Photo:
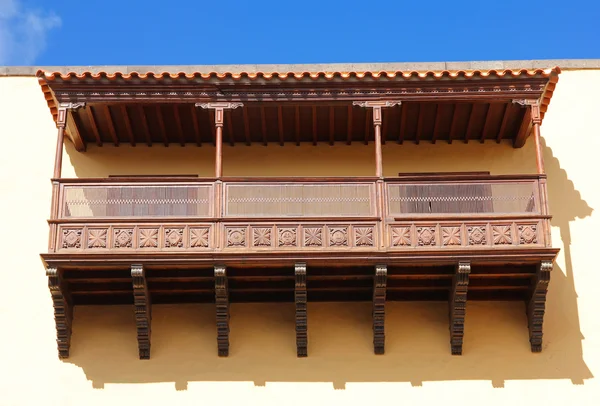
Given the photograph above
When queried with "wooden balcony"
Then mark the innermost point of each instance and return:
(276, 221)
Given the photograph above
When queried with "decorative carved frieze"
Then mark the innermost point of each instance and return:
(300, 298)
(401, 236)
(173, 237)
(123, 237)
(426, 236)
(71, 237)
(527, 233)
(363, 236)
(452, 235)
(477, 234)
(236, 236)
(313, 236)
(458, 306)
(502, 234)
(338, 236)
(222, 310)
(379, 290)
(536, 307)
(96, 237)
(199, 237)
(143, 310)
(261, 236)
(63, 311)
(287, 236)
(148, 238)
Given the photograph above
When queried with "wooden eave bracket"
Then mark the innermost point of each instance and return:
(65, 119)
(536, 308)
(300, 299)
(222, 309)
(532, 116)
(379, 291)
(458, 306)
(63, 310)
(143, 310)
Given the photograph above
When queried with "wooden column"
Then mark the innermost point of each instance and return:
(458, 306)
(63, 311)
(143, 310)
(300, 298)
(222, 309)
(379, 290)
(536, 307)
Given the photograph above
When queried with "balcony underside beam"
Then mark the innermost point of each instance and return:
(458, 306)
(143, 310)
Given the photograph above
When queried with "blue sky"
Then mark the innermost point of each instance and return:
(34, 32)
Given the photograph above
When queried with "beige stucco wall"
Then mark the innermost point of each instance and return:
(496, 368)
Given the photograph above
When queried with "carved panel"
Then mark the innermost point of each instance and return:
(261, 236)
(222, 309)
(536, 308)
(148, 238)
(379, 290)
(71, 237)
(287, 236)
(199, 237)
(143, 316)
(123, 237)
(452, 235)
(97, 237)
(63, 312)
(313, 236)
(173, 237)
(527, 233)
(363, 236)
(401, 236)
(477, 234)
(458, 303)
(502, 234)
(301, 314)
(426, 236)
(338, 236)
(236, 236)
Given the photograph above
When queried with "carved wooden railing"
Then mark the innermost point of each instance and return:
(193, 214)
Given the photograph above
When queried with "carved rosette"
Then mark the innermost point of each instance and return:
(363, 236)
(502, 234)
(536, 308)
(458, 306)
(313, 236)
(173, 237)
(222, 309)
(477, 234)
(63, 312)
(261, 236)
(97, 238)
(143, 316)
(199, 237)
(71, 237)
(300, 298)
(123, 237)
(236, 237)
(401, 236)
(287, 237)
(527, 234)
(452, 236)
(426, 236)
(148, 238)
(338, 236)
(379, 290)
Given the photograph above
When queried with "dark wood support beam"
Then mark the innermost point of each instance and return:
(536, 307)
(127, 121)
(526, 124)
(230, 129)
(504, 122)
(368, 123)
(314, 125)
(331, 125)
(222, 310)
(402, 129)
(470, 124)
(143, 310)
(111, 125)
(161, 125)
(73, 132)
(486, 124)
(379, 290)
(436, 125)
(453, 125)
(63, 311)
(178, 125)
(419, 125)
(458, 306)
(300, 298)
(94, 127)
(195, 126)
(263, 122)
(213, 128)
(297, 117)
(349, 140)
(246, 125)
(62, 122)
(147, 133)
(280, 124)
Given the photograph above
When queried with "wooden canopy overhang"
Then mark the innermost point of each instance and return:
(184, 239)
(296, 107)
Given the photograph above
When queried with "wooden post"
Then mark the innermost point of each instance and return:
(536, 118)
(63, 311)
(458, 306)
(379, 290)
(143, 310)
(536, 308)
(222, 310)
(300, 298)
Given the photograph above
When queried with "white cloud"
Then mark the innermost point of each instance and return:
(23, 32)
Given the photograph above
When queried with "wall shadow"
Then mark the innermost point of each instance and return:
(496, 345)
